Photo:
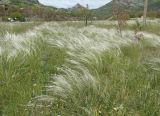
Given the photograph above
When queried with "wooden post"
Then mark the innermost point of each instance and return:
(5, 9)
(86, 15)
(145, 11)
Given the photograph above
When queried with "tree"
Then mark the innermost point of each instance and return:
(83, 13)
(145, 11)
(120, 14)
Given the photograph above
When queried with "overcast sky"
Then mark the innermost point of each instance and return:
(69, 3)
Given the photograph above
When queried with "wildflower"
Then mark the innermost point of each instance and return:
(34, 85)
(138, 35)
(120, 108)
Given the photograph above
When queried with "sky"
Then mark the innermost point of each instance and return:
(70, 3)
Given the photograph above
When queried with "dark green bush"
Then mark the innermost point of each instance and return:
(17, 16)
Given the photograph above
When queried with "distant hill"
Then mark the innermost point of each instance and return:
(33, 9)
(78, 6)
(135, 6)
(26, 10)
(19, 1)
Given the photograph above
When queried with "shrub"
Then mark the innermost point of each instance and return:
(17, 16)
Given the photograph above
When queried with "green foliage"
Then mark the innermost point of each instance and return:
(20, 1)
(16, 28)
(125, 85)
(24, 75)
(117, 82)
(135, 9)
(153, 14)
(17, 16)
(139, 25)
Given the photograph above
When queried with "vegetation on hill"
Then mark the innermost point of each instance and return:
(28, 10)
(135, 8)
(33, 10)
(19, 2)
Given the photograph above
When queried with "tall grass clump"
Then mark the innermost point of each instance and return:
(65, 69)
(103, 74)
(17, 28)
(24, 73)
(120, 86)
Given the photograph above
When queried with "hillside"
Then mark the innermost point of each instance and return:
(19, 2)
(34, 9)
(29, 10)
(26, 10)
(135, 6)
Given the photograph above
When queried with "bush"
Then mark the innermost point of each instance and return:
(17, 16)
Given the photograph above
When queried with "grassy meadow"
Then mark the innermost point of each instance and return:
(67, 69)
